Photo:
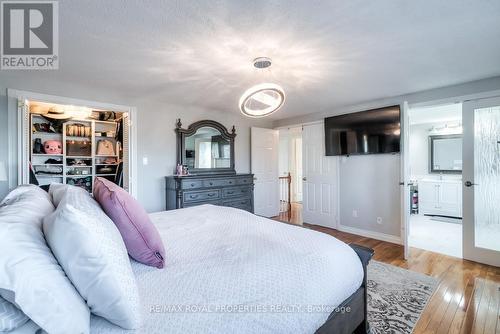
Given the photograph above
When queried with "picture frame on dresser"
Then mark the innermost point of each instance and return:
(207, 149)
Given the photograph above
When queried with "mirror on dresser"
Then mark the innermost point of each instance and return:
(206, 148)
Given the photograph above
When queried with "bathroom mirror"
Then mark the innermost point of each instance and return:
(445, 154)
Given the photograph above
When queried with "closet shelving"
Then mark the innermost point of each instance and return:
(75, 168)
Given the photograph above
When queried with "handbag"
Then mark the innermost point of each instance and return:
(105, 147)
(38, 146)
(78, 148)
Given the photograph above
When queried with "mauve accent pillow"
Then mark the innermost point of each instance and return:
(141, 238)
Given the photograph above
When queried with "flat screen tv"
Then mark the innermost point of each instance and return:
(373, 131)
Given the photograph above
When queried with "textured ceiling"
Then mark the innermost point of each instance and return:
(325, 53)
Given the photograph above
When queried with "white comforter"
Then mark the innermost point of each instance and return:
(228, 271)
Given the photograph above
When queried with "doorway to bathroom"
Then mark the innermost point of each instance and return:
(435, 167)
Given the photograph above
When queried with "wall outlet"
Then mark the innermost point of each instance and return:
(355, 213)
(379, 220)
(145, 161)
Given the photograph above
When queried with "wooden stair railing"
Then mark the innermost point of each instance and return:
(285, 194)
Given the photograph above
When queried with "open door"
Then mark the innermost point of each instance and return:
(320, 176)
(405, 178)
(265, 167)
(481, 180)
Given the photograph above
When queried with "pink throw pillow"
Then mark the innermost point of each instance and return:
(141, 237)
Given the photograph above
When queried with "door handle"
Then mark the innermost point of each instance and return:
(408, 184)
(304, 179)
(470, 184)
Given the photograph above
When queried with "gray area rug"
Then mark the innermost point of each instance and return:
(396, 297)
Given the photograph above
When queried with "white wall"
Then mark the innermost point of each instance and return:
(156, 136)
(369, 185)
(288, 159)
(284, 151)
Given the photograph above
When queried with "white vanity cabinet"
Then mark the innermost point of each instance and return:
(440, 197)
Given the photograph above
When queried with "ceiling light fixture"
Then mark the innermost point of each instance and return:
(263, 99)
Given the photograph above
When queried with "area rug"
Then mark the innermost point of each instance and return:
(396, 297)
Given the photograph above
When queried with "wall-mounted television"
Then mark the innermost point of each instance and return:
(373, 131)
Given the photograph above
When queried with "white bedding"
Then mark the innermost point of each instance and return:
(269, 275)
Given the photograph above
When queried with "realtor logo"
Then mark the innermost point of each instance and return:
(29, 35)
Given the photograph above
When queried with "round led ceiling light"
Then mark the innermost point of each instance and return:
(263, 99)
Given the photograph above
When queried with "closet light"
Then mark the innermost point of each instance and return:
(262, 100)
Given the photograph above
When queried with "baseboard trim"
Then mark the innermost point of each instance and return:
(370, 234)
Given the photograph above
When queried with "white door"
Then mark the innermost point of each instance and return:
(481, 180)
(319, 179)
(265, 167)
(405, 178)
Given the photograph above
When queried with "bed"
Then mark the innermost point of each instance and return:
(229, 271)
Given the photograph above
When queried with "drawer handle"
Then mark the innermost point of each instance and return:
(230, 182)
(193, 184)
(193, 196)
(243, 202)
(211, 183)
(230, 192)
(211, 195)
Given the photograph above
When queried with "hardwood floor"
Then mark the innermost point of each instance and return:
(467, 299)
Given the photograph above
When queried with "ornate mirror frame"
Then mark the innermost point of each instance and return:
(181, 145)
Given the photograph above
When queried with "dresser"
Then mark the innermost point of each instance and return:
(233, 190)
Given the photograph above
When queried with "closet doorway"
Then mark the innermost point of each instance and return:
(69, 141)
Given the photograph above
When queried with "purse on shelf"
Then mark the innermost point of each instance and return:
(38, 146)
(105, 147)
(78, 148)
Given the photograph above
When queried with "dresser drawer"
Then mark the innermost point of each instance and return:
(244, 180)
(219, 182)
(236, 192)
(206, 195)
(191, 184)
(244, 204)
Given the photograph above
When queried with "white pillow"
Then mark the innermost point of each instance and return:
(30, 275)
(57, 192)
(26, 204)
(10, 316)
(89, 247)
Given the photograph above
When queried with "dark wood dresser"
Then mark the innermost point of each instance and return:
(233, 190)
